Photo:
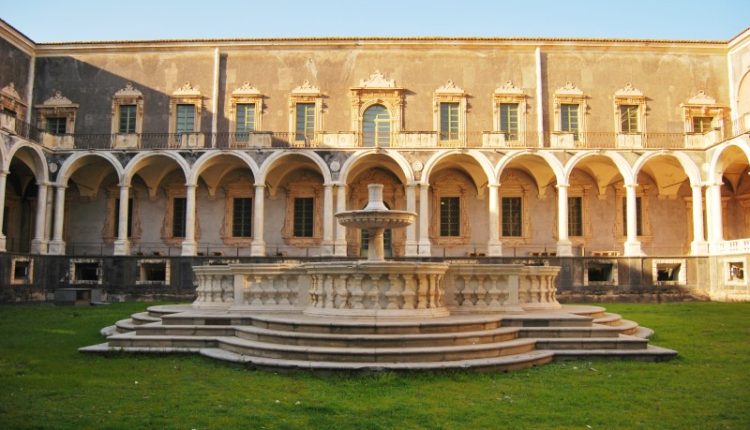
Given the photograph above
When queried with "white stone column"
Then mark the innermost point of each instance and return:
(424, 221)
(632, 244)
(327, 245)
(258, 247)
(340, 243)
(698, 246)
(715, 215)
(411, 229)
(189, 245)
(564, 246)
(48, 217)
(122, 243)
(39, 243)
(57, 245)
(3, 177)
(494, 246)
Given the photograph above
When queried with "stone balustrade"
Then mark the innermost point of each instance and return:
(384, 289)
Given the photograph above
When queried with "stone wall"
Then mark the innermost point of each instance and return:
(14, 68)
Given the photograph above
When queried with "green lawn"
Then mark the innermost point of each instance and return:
(46, 383)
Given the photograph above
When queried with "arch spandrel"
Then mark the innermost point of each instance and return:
(400, 167)
(474, 163)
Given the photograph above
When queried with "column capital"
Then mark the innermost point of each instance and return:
(496, 185)
(558, 186)
(630, 185)
(58, 186)
(698, 186)
(259, 186)
(44, 183)
(189, 186)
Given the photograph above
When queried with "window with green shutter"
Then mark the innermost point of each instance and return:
(509, 120)
(185, 119)
(449, 121)
(305, 117)
(56, 125)
(629, 119)
(127, 119)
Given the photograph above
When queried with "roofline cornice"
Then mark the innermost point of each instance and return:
(17, 39)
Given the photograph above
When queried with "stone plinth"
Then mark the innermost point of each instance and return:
(392, 289)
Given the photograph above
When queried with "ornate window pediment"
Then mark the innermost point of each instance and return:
(377, 90)
(127, 111)
(570, 116)
(184, 120)
(704, 119)
(11, 101)
(245, 109)
(449, 113)
(509, 113)
(305, 113)
(629, 116)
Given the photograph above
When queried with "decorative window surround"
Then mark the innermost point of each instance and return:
(450, 93)
(145, 265)
(734, 270)
(507, 93)
(305, 93)
(171, 191)
(22, 271)
(450, 184)
(127, 96)
(186, 95)
(678, 264)
(377, 90)
(304, 185)
(569, 94)
(630, 96)
(703, 105)
(238, 189)
(11, 101)
(109, 230)
(77, 272)
(57, 106)
(591, 266)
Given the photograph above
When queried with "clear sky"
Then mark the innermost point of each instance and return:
(68, 20)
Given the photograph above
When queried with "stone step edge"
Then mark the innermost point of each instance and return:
(651, 350)
(531, 358)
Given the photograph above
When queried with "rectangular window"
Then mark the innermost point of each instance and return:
(245, 119)
(117, 218)
(702, 124)
(638, 217)
(450, 216)
(5, 222)
(509, 120)
(512, 217)
(569, 119)
(629, 119)
(185, 119)
(303, 216)
(305, 127)
(56, 125)
(242, 215)
(179, 210)
(575, 216)
(127, 119)
(448, 121)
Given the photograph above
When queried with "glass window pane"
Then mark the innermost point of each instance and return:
(56, 125)
(127, 119)
(179, 205)
(242, 212)
(575, 216)
(702, 124)
(305, 117)
(450, 216)
(185, 119)
(509, 120)
(245, 119)
(512, 216)
(303, 216)
(376, 126)
(449, 121)
(629, 119)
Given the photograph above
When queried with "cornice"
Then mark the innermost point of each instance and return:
(17, 39)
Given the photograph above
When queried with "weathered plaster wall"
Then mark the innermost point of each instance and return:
(14, 68)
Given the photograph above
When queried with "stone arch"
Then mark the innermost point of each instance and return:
(618, 160)
(716, 168)
(273, 160)
(481, 160)
(405, 173)
(137, 162)
(688, 165)
(207, 159)
(75, 161)
(38, 160)
(743, 96)
(552, 162)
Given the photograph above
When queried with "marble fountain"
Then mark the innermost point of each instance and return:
(374, 314)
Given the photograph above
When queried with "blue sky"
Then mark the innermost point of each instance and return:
(48, 21)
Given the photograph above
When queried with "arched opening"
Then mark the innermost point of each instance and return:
(733, 167)
(22, 200)
(376, 127)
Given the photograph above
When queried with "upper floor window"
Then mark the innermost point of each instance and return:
(704, 121)
(245, 118)
(127, 113)
(509, 115)
(305, 111)
(305, 118)
(185, 119)
(450, 112)
(702, 124)
(127, 119)
(508, 120)
(245, 110)
(569, 119)
(376, 126)
(11, 103)
(450, 216)
(629, 118)
(56, 125)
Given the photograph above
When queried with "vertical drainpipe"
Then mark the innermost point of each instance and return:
(539, 101)
(215, 96)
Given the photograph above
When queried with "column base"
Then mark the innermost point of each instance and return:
(411, 249)
(258, 249)
(495, 249)
(122, 247)
(38, 246)
(339, 248)
(189, 248)
(565, 248)
(633, 249)
(425, 249)
(56, 247)
(698, 248)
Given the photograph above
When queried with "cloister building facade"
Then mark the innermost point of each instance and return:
(575, 150)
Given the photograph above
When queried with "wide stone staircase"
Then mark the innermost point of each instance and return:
(489, 342)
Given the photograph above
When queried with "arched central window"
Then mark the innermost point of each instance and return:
(376, 126)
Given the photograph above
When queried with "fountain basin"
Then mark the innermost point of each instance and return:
(366, 219)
